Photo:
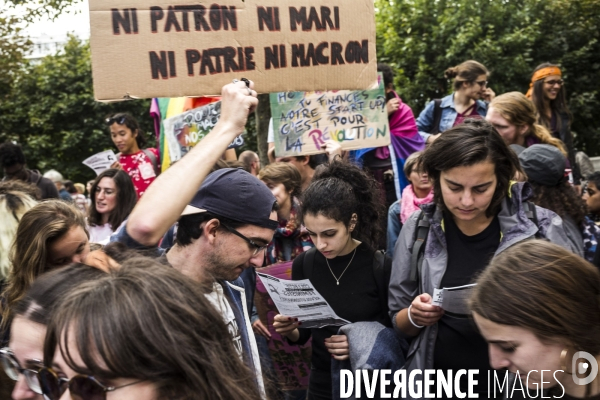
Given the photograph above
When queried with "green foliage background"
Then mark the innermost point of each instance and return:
(49, 107)
(421, 38)
(52, 113)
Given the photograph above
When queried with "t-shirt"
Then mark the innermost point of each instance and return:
(140, 169)
(355, 299)
(219, 301)
(100, 233)
(459, 345)
(470, 112)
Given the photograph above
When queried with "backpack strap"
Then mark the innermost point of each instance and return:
(418, 249)
(382, 277)
(437, 116)
(531, 213)
(153, 160)
(309, 262)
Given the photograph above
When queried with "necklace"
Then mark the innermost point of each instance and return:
(330, 270)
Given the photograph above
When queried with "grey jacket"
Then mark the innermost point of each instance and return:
(515, 227)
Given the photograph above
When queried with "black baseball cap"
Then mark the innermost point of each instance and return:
(544, 164)
(235, 194)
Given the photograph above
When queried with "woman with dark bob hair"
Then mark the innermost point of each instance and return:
(113, 197)
(538, 306)
(120, 337)
(477, 213)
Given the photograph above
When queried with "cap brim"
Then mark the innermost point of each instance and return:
(190, 210)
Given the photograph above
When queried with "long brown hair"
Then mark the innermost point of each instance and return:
(468, 144)
(37, 230)
(546, 289)
(149, 322)
(557, 106)
(519, 110)
(125, 201)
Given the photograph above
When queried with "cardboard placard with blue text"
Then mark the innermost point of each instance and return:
(176, 48)
(303, 121)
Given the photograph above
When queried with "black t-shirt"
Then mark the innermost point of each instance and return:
(356, 298)
(458, 344)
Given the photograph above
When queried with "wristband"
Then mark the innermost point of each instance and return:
(413, 322)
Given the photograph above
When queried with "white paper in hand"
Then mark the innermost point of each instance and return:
(299, 299)
(101, 161)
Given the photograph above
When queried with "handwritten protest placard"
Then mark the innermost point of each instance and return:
(186, 130)
(174, 48)
(303, 121)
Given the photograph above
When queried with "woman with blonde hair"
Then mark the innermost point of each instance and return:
(468, 101)
(514, 117)
(16, 198)
(538, 307)
(50, 235)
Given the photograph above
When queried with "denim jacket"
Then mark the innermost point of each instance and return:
(425, 120)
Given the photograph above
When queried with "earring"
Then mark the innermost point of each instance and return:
(563, 363)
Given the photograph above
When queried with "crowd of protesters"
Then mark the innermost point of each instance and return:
(147, 288)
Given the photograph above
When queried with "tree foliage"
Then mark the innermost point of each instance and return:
(422, 38)
(50, 110)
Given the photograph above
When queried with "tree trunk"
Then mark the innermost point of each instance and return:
(263, 115)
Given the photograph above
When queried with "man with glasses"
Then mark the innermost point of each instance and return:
(13, 163)
(223, 227)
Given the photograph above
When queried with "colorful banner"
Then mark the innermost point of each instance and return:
(184, 131)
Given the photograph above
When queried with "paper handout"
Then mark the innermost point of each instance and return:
(300, 299)
(101, 161)
(453, 299)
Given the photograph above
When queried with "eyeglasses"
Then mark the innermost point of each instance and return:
(558, 82)
(82, 387)
(118, 118)
(11, 367)
(482, 83)
(257, 248)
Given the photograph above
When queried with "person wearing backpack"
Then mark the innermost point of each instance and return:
(142, 165)
(341, 210)
(478, 212)
(469, 100)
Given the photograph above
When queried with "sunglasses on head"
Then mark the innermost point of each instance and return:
(119, 119)
(81, 387)
(13, 369)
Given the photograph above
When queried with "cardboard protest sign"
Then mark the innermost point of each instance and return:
(186, 130)
(101, 161)
(303, 121)
(291, 362)
(174, 48)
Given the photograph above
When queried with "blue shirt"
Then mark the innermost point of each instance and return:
(449, 113)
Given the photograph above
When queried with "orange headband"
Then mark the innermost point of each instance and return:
(541, 74)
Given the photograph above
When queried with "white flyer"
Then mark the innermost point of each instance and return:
(101, 161)
(453, 299)
(300, 299)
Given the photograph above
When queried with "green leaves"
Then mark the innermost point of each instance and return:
(50, 110)
(422, 38)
